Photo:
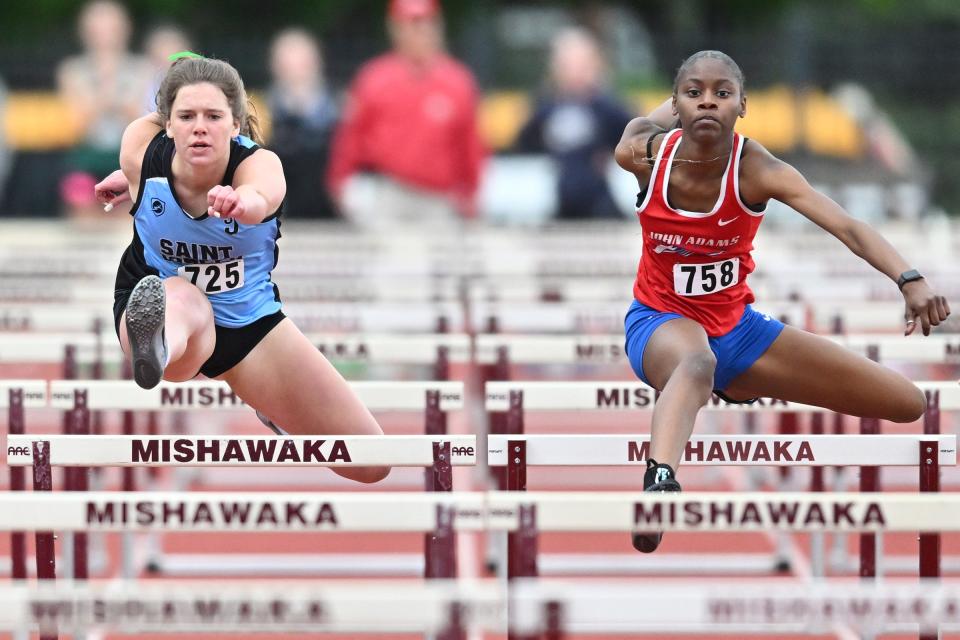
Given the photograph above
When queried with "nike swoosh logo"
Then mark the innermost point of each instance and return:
(724, 223)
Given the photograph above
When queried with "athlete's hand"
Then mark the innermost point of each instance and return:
(224, 202)
(923, 305)
(112, 190)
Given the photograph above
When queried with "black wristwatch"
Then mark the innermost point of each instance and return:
(908, 276)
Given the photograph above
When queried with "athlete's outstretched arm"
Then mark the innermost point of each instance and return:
(257, 191)
(631, 151)
(133, 145)
(780, 181)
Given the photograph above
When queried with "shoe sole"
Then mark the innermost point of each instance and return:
(271, 425)
(145, 315)
(648, 542)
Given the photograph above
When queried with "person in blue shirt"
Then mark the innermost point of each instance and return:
(578, 123)
(194, 292)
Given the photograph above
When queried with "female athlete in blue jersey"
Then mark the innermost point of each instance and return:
(194, 292)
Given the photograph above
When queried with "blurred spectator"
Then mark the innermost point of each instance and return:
(160, 43)
(411, 126)
(104, 86)
(578, 123)
(303, 115)
(5, 160)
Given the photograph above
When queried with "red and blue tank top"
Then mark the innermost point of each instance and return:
(696, 263)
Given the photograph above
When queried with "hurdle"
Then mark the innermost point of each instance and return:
(518, 452)
(78, 317)
(434, 398)
(514, 398)
(15, 396)
(435, 317)
(448, 608)
(438, 350)
(437, 514)
(554, 608)
(525, 515)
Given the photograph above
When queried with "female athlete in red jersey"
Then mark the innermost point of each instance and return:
(690, 329)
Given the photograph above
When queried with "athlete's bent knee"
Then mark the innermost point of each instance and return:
(699, 368)
(911, 408)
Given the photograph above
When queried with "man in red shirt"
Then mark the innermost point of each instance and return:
(408, 149)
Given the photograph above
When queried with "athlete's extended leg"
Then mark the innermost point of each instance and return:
(678, 361)
(287, 379)
(167, 330)
(802, 367)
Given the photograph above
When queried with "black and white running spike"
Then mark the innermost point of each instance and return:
(146, 310)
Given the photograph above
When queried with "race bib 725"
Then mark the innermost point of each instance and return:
(215, 277)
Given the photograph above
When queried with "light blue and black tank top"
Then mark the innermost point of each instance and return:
(229, 262)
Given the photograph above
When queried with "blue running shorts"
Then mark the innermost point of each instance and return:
(736, 351)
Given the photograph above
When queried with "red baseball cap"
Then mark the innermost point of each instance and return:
(410, 9)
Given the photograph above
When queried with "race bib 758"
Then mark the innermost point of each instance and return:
(701, 279)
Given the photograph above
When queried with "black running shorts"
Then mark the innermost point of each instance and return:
(232, 346)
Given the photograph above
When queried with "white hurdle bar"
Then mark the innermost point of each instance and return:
(518, 452)
(584, 511)
(374, 348)
(372, 318)
(609, 348)
(514, 397)
(447, 607)
(306, 512)
(433, 398)
(717, 450)
(556, 608)
(324, 451)
(632, 396)
(216, 395)
(581, 317)
(552, 608)
(78, 317)
(436, 514)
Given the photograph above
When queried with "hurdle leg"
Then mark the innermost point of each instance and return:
(454, 629)
(440, 561)
(128, 484)
(440, 557)
(522, 557)
(46, 559)
(930, 483)
(80, 426)
(817, 546)
(435, 424)
(787, 426)
(840, 559)
(18, 541)
(553, 621)
(441, 366)
(513, 477)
